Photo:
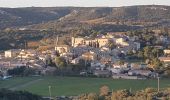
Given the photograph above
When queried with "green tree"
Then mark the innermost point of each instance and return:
(157, 64)
(60, 62)
(147, 51)
(140, 54)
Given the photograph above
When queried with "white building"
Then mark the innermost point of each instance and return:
(62, 48)
(121, 42)
(12, 53)
(27, 54)
(166, 51)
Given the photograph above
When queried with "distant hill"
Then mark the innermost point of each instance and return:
(49, 17)
(12, 17)
(18, 25)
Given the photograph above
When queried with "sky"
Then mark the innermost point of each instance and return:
(79, 3)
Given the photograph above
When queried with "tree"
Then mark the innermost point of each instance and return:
(112, 45)
(21, 71)
(60, 62)
(48, 60)
(121, 62)
(157, 64)
(147, 51)
(167, 71)
(29, 71)
(104, 90)
(120, 95)
(92, 96)
(140, 54)
(17, 95)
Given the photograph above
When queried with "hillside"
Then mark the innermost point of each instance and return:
(12, 17)
(37, 23)
(49, 17)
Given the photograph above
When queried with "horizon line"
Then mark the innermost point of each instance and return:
(84, 6)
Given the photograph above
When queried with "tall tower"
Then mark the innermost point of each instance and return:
(56, 42)
(73, 41)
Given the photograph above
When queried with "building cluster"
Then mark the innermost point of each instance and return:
(102, 56)
(103, 53)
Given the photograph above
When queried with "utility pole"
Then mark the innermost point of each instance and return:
(130, 90)
(158, 83)
(49, 88)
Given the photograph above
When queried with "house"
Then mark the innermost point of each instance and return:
(138, 45)
(27, 54)
(163, 38)
(123, 76)
(140, 73)
(89, 56)
(164, 59)
(76, 60)
(116, 70)
(97, 65)
(119, 66)
(77, 41)
(134, 66)
(102, 73)
(102, 41)
(166, 51)
(48, 71)
(12, 53)
(105, 49)
(143, 65)
(62, 48)
(122, 42)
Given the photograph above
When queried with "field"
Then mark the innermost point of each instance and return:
(75, 85)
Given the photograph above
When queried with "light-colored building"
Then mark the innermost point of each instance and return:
(122, 42)
(86, 41)
(102, 73)
(62, 48)
(137, 45)
(75, 61)
(103, 41)
(12, 53)
(164, 59)
(139, 72)
(166, 51)
(89, 56)
(77, 41)
(27, 54)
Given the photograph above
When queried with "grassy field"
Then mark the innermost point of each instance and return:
(75, 85)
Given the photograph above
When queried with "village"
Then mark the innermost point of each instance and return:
(101, 56)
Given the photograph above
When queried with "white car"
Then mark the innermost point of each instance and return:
(6, 77)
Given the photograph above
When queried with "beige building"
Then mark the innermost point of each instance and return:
(166, 51)
(27, 54)
(164, 59)
(83, 41)
(122, 42)
(62, 48)
(77, 41)
(89, 56)
(103, 41)
(12, 53)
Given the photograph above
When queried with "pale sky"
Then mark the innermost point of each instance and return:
(82, 3)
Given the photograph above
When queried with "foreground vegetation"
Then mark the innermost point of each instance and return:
(76, 85)
(146, 94)
(17, 95)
